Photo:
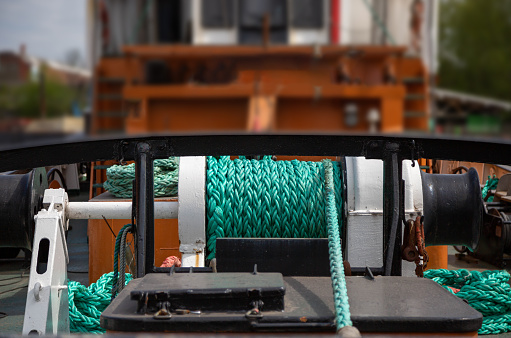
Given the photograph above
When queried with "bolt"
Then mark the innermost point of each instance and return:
(37, 290)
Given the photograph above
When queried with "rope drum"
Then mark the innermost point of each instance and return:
(267, 199)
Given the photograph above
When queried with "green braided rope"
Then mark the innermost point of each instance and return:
(117, 247)
(267, 199)
(87, 303)
(120, 178)
(342, 307)
(487, 292)
(122, 259)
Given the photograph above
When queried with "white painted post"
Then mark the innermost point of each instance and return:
(192, 210)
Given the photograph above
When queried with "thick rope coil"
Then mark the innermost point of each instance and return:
(120, 178)
(487, 292)
(267, 199)
(87, 303)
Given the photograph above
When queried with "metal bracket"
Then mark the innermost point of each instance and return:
(47, 305)
(392, 209)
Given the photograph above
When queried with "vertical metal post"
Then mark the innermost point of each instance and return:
(144, 184)
(191, 210)
(392, 228)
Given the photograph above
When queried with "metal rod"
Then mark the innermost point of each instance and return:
(391, 213)
(144, 184)
(78, 149)
(359, 271)
(117, 210)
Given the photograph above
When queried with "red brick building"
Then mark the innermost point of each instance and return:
(18, 68)
(14, 67)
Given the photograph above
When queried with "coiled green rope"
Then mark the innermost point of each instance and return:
(87, 303)
(120, 178)
(488, 292)
(266, 198)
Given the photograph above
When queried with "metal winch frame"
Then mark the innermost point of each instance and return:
(392, 150)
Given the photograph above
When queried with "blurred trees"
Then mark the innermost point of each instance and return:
(25, 100)
(475, 47)
(57, 100)
(44, 91)
(74, 58)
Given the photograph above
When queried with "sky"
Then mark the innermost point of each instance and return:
(48, 28)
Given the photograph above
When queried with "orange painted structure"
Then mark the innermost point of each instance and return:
(175, 88)
(102, 241)
(210, 88)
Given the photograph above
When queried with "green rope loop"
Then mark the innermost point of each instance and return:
(118, 242)
(87, 303)
(487, 292)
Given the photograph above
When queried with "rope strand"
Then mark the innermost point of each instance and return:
(342, 307)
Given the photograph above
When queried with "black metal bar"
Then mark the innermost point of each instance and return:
(344, 233)
(144, 183)
(359, 271)
(64, 151)
(51, 175)
(391, 211)
(289, 256)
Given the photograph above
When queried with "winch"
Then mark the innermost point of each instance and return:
(275, 284)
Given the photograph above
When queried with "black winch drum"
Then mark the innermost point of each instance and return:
(453, 209)
(20, 201)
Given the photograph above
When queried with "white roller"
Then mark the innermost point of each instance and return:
(116, 210)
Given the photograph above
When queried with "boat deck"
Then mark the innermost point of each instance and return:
(14, 274)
